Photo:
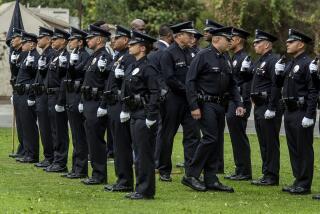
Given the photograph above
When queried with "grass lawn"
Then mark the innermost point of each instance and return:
(26, 189)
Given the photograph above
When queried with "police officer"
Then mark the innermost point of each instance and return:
(210, 85)
(300, 99)
(16, 57)
(112, 100)
(41, 97)
(73, 81)
(140, 94)
(237, 125)
(58, 66)
(267, 114)
(195, 44)
(96, 74)
(175, 62)
(209, 25)
(25, 107)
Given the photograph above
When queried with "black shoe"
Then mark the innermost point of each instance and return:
(241, 178)
(128, 195)
(117, 188)
(288, 188)
(165, 178)
(138, 196)
(180, 165)
(64, 175)
(15, 155)
(26, 160)
(56, 168)
(43, 164)
(265, 182)
(76, 176)
(193, 183)
(217, 186)
(300, 191)
(230, 176)
(316, 197)
(91, 181)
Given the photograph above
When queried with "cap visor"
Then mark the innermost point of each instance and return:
(190, 31)
(90, 36)
(133, 42)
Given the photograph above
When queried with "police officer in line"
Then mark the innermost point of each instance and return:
(175, 62)
(96, 75)
(58, 66)
(41, 97)
(210, 86)
(72, 84)
(195, 44)
(300, 99)
(140, 94)
(209, 25)
(267, 113)
(16, 57)
(25, 107)
(237, 125)
(120, 130)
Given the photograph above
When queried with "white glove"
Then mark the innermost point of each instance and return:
(101, 112)
(279, 67)
(80, 107)
(124, 116)
(41, 63)
(62, 60)
(31, 102)
(306, 122)
(74, 58)
(269, 114)
(13, 58)
(245, 65)
(102, 64)
(29, 60)
(313, 67)
(11, 100)
(149, 123)
(118, 72)
(59, 108)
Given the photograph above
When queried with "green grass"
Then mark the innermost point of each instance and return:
(25, 189)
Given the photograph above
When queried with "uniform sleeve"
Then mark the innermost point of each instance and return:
(63, 70)
(152, 106)
(275, 91)
(167, 67)
(191, 79)
(312, 98)
(234, 92)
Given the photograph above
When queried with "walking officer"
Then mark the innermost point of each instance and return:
(210, 86)
(175, 61)
(300, 99)
(58, 67)
(72, 84)
(41, 97)
(120, 129)
(96, 75)
(237, 125)
(267, 114)
(140, 94)
(25, 107)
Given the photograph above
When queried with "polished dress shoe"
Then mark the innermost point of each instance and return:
(241, 177)
(230, 176)
(288, 188)
(91, 181)
(316, 197)
(265, 182)
(117, 188)
(138, 196)
(193, 183)
(300, 191)
(56, 168)
(165, 178)
(218, 186)
(26, 160)
(15, 155)
(43, 164)
(76, 175)
(180, 165)
(128, 195)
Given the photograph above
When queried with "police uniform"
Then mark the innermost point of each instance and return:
(58, 120)
(120, 131)
(140, 93)
(210, 85)
(27, 114)
(92, 90)
(72, 83)
(265, 96)
(16, 58)
(300, 99)
(237, 125)
(41, 99)
(175, 62)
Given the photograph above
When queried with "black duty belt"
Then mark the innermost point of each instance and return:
(39, 89)
(112, 97)
(260, 98)
(135, 102)
(72, 86)
(295, 103)
(213, 99)
(22, 89)
(90, 93)
(52, 90)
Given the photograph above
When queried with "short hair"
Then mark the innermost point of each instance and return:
(164, 30)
